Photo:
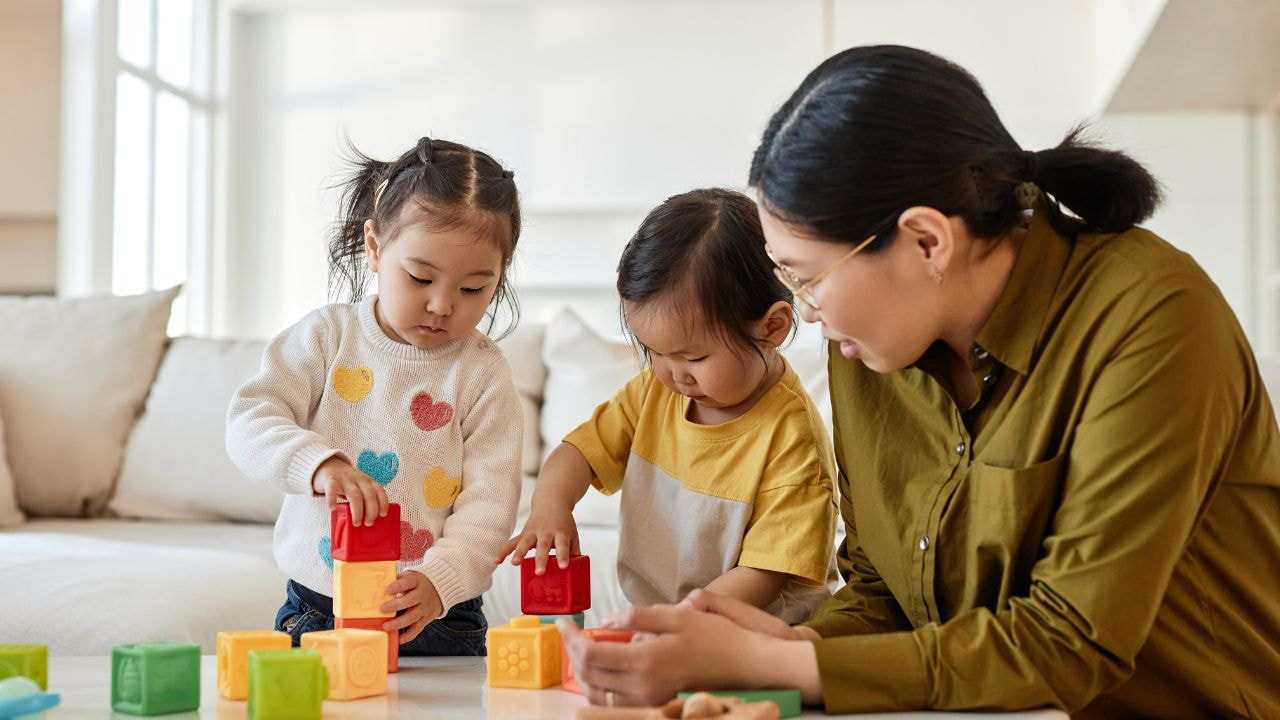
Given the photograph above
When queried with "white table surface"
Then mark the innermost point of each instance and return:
(428, 688)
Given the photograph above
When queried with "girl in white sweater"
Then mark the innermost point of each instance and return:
(398, 397)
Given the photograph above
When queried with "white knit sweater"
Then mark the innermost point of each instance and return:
(420, 422)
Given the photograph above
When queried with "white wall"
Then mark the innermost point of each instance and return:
(30, 43)
(605, 108)
(1206, 162)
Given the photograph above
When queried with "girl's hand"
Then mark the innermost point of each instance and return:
(685, 649)
(335, 478)
(747, 616)
(544, 529)
(417, 596)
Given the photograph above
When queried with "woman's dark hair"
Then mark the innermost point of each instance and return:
(875, 130)
(703, 252)
(449, 186)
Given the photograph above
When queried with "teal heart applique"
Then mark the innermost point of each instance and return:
(382, 468)
(325, 554)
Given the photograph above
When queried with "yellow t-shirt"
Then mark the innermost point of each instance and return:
(699, 500)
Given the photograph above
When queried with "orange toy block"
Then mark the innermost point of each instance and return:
(356, 661)
(569, 682)
(393, 636)
(233, 658)
(359, 588)
(524, 654)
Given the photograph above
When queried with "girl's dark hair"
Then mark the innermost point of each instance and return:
(449, 185)
(875, 130)
(703, 251)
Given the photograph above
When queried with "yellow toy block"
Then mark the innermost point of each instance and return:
(356, 661)
(233, 658)
(524, 654)
(359, 588)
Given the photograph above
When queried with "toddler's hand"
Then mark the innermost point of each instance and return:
(542, 531)
(417, 596)
(335, 478)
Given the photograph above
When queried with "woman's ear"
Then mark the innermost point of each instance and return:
(775, 327)
(371, 245)
(930, 236)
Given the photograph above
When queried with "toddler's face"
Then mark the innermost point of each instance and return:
(433, 286)
(693, 361)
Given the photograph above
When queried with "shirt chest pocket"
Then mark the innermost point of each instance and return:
(1014, 491)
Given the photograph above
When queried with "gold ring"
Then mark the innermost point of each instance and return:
(608, 698)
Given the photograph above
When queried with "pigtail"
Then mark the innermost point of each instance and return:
(347, 267)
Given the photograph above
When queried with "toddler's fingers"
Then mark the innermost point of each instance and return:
(575, 547)
(540, 557)
(413, 631)
(384, 503)
(370, 490)
(507, 547)
(525, 543)
(562, 550)
(356, 499)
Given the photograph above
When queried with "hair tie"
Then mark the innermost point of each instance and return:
(426, 151)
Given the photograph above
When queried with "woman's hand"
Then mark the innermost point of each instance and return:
(546, 527)
(336, 478)
(417, 596)
(747, 616)
(685, 649)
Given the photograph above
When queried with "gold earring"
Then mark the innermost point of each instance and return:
(936, 274)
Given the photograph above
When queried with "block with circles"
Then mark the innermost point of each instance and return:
(356, 661)
(524, 654)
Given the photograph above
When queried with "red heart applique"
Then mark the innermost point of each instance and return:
(429, 415)
(414, 543)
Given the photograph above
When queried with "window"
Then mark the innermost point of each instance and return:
(163, 107)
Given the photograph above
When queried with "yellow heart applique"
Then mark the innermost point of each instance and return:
(439, 489)
(352, 384)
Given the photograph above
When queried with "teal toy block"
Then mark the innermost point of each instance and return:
(788, 701)
(286, 684)
(28, 661)
(155, 678)
(577, 618)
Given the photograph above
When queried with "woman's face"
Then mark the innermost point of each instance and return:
(878, 306)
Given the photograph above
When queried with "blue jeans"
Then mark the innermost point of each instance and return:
(460, 632)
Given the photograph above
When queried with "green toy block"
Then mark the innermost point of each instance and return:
(155, 678)
(286, 684)
(788, 701)
(577, 618)
(29, 661)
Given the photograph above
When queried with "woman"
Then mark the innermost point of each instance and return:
(1059, 470)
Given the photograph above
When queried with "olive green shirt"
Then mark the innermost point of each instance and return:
(1099, 532)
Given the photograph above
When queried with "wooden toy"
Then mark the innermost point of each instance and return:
(699, 705)
(788, 701)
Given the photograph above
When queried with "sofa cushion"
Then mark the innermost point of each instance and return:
(584, 369)
(9, 512)
(76, 373)
(176, 466)
(523, 350)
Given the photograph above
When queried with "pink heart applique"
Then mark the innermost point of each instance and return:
(414, 543)
(429, 415)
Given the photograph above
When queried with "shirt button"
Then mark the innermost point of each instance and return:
(960, 449)
(924, 543)
(989, 378)
(979, 353)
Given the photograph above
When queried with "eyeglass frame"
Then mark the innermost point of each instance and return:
(804, 290)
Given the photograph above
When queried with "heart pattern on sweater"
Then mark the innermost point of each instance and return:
(440, 490)
(325, 555)
(414, 543)
(352, 384)
(382, 468)
(429, 415)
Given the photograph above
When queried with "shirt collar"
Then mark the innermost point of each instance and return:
(1012, 332)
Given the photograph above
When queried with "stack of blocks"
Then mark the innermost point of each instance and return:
(155, 678)
(364, 564)
(528, 652)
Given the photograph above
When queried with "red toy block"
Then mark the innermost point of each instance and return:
(380, 541)
(557, 592)
(567, 680)
(393, 637)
